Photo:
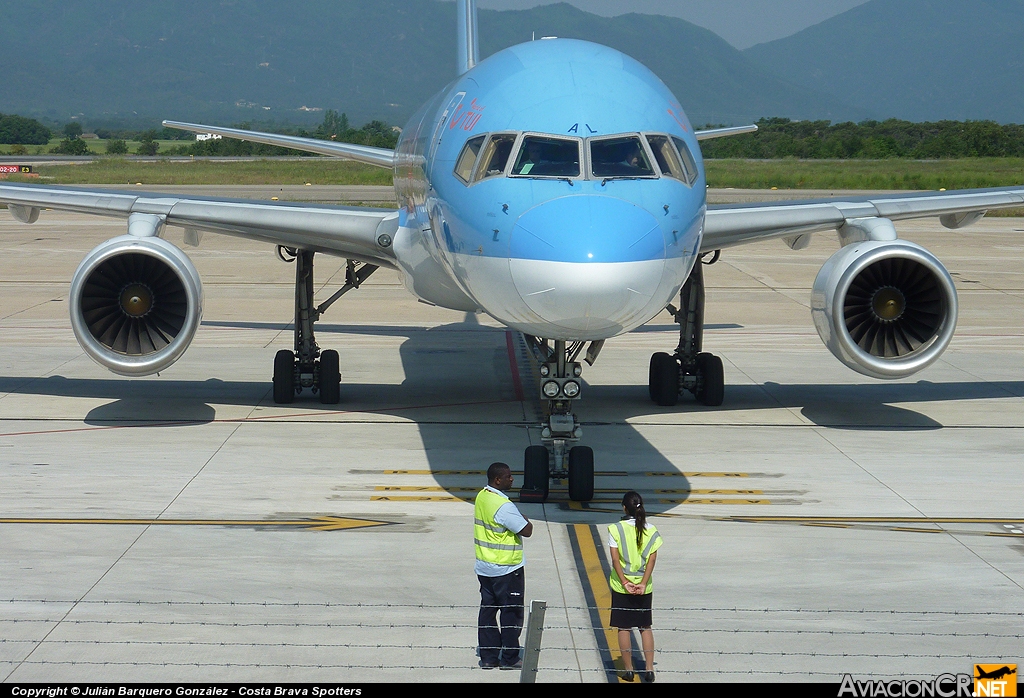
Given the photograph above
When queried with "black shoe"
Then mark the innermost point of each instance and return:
(649, 676)
(517, 665)
(626, 676)
(487, 665)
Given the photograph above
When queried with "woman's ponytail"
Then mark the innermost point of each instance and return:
(634, 505)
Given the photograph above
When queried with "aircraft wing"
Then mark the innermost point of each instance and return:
(737, 224)
(381, 157)
(347, 231)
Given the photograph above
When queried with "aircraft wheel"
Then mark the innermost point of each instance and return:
(330, 378)
(536, 475)
(664, 379)
(581, 474)
(284, 377)
(712, 392)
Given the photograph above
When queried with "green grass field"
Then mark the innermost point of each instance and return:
(966, 173)
(131, 171)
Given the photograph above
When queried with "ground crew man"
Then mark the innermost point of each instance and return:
(498, 532)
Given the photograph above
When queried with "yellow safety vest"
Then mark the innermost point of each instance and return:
(633, 558)
(494, 543)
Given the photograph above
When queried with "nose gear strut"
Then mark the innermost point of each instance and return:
(557, 459)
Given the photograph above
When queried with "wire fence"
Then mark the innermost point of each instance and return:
(307, 636)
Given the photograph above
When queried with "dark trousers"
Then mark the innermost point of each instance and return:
(503, 593)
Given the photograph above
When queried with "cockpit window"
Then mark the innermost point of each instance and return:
(688, 162)
(623, 156)
(496, 154)
(467, 158)
(542, 156)
(667, 158)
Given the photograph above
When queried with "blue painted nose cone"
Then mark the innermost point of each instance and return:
(587, 228)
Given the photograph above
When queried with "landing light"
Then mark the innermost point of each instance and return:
(572, 389)
(550, 389)
(545, 370)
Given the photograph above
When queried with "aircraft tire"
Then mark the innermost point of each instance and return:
(536, 474)
(663, 380)
(710, 368)
(581, 474)
(330, 378)
(284, 377)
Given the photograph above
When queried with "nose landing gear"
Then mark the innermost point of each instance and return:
(688, 368)
(557, 458)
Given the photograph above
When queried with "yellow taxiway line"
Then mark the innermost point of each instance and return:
(599, 588)
(316, 523)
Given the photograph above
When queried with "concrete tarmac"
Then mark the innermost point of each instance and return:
(183, 527)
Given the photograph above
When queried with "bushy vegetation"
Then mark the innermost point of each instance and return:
(810, 140)
(22, 130)
(147, 143)
(71, 146)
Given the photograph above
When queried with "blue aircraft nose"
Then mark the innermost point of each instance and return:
(586, 229)
(586, 266)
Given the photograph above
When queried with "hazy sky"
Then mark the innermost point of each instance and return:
(742, 23)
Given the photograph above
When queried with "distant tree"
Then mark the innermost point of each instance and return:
(19, 150)
(147, 143)
(335, 127)
(22, 130)
(117, 147)
(73, 130)
(71, 146)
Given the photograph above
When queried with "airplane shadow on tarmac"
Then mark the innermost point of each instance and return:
(459, 390)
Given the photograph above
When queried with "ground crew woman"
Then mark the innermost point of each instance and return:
(633, 548)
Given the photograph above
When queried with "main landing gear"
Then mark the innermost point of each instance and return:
(558, 458)
(688, 368)
(307, 366)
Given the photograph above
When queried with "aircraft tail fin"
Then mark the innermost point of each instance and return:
(469, 50)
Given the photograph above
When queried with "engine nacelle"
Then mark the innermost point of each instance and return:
(136, 304)
(886, 309)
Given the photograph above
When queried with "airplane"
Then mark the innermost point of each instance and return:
(556, 186)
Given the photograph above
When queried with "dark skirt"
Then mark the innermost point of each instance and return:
(631, 610)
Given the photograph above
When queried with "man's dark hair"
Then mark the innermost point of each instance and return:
(495, 470)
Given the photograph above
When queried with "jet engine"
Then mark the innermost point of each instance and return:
(136, 304)
(886, 309)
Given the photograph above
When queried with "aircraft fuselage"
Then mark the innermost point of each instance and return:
(578, 230)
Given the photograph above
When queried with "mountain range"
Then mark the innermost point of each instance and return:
(123, 61)
(919, 60)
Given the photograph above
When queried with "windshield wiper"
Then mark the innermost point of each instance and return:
(608, 179)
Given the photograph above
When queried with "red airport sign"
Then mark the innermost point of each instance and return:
(15, 169)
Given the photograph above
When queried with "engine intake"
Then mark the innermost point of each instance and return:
(136, 304)
(886, 309)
